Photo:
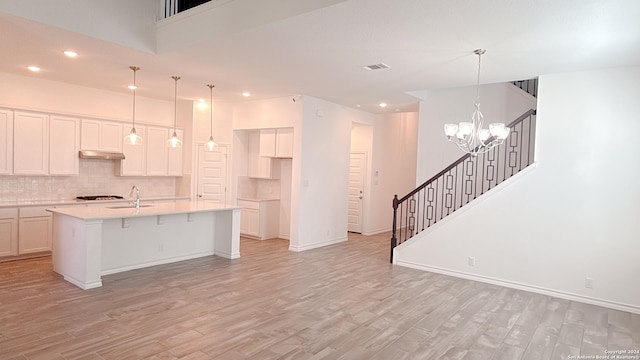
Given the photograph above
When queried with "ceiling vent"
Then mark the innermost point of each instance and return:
(376, 66)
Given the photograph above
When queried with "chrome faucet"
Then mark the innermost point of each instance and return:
(136, 202)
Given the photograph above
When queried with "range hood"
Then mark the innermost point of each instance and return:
(104, 155)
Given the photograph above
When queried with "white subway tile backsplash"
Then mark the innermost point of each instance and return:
(97, 177)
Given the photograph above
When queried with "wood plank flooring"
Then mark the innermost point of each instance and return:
(339, 302)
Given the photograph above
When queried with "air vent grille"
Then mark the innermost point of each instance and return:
(379, 66)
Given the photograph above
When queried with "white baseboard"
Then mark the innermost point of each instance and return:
(376, 232)
(526, 287)
(317, 245)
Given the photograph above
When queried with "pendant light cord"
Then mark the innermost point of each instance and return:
(211, 86)
(175, 102)
(134, 68)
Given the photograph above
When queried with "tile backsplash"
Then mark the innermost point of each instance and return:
(97, 177)
(255, 188)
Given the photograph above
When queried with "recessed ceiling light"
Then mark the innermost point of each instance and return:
(383, 105)
(246, 94)
(132, 87)
(33, 68)
(70, 53)
(201, 101)
(357, 105)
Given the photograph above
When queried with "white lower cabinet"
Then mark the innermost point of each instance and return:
(250, 222)
(34, 230)
(8, 232)
(260, 219)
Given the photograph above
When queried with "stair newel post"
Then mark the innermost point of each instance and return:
(394, 240)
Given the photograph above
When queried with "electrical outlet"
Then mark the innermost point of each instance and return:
(472, 261)
(588, 283)
(160, 247)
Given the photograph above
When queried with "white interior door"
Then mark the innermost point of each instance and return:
(356, 191)
(212, 174)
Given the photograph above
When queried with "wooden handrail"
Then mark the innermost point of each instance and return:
(463, 158)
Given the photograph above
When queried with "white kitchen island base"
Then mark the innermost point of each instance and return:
(95, 241)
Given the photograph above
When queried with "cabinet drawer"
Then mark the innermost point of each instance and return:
(246, 204)
(8, 213)
(36, 211)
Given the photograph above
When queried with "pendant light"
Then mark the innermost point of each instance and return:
(133, 138)
(211, 144)
(173, 141)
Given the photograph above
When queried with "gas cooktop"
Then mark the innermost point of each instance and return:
(99, 197)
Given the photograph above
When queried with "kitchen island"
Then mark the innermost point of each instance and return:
(89, 242)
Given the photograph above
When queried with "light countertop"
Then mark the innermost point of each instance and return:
(71, 202)
(257, 199)
(118, 211)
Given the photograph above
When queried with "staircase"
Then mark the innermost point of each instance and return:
(464, 180)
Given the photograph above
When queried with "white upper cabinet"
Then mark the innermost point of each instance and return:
(135, 160)
(276, 143)
(64, 143)
(175, 157)
(101, 135)
(30, 144)
(284, 143)
(157, 151)
(268, 142)
(6, 142)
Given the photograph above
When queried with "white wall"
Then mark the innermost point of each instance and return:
(573, 216)
(124, 22)
(498, 103)
(394, 159)
(57, 97)
(320, 174)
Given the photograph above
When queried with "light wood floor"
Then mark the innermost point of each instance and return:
(340, 302)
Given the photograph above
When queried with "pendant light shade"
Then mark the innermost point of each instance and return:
(174, 141)
(133, 138)
(211, 144)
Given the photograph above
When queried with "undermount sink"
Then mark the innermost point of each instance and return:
(127, 206)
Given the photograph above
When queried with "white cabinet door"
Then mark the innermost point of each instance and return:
(250, 222)
(101, 135)
(268, 142)
(157, 151)
(6, 142)
(30, 144)
(90, 134)
(111, 136)
(8, 232)
(135, 160)
(34, 230)
(64, 143)
(276, 143)
(284, 143)
(176, 158)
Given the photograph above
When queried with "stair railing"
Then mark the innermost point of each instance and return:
(462, 181)
(530, 86)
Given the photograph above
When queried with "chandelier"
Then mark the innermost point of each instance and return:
(471, 137)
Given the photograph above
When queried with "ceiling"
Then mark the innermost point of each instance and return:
(427, 44)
